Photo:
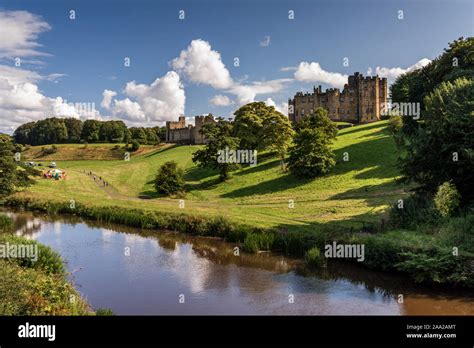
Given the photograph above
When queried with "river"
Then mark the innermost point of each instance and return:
(135, 272)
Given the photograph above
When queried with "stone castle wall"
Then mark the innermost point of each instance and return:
(178, 132)
(360, 101)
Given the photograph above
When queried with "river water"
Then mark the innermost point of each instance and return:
(132, 271)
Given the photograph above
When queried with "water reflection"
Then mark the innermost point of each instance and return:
(144, 272)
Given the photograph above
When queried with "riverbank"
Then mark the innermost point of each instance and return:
(34, 283)
(423, 257)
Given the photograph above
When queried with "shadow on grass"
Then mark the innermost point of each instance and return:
(160, 151)
(361, 128)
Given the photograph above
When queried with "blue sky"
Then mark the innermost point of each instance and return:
(78, 59)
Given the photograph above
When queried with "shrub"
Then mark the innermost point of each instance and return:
(48, 259)
(447, 199)
(135, 145)
(254, 242)
(169, 179)
(103, 312)
(313, 257)
(417, 210)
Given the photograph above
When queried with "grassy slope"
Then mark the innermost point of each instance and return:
(80, 152)
(357, 190)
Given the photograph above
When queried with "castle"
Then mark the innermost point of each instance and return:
(361, 100)
(178, 132)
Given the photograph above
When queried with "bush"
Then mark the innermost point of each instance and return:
(48, 260)
(447, 199)
(313, 257)
(135, 145)
(254, 242)
(169, 179)
(417, 210)
(104, 312)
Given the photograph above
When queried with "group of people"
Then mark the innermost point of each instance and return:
(97, 179)
(54, 174)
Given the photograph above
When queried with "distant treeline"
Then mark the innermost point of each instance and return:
(70, 130)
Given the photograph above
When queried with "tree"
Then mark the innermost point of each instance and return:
(49, 131)
(22, 134)
(151, 136)
(74, 129)
(443, 147)
(278, 128)
(257, 125)
(169, 179)
(311, 154)
(90, 131)
(139, 135)
(135, 145)
(13, 175)
(219, 138)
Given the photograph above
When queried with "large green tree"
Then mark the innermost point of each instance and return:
(311, 154)
(219, 138)
(258, 125)
(438, 148)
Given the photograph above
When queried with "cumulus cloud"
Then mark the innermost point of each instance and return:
(282, 107)
(220, 100)
(312, 72)
(162, 100)
(107, 96)
(18, 33)
(392, 73)
(265, 42)
(201, 64)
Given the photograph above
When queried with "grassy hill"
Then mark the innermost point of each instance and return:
(356, 190)
(74, 152)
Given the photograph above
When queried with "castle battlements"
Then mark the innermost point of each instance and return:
(179, 132)
(360, 101)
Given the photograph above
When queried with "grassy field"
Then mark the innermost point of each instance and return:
(359, 189)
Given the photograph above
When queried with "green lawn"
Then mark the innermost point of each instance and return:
(357, 190)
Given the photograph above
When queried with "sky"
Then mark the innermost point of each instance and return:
(199, 56)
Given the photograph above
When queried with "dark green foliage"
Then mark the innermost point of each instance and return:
(255, 242)
(219, 138)
(74, 129)
(71, 130)
(437, 266)
(13, 175)
(439, 147)
(169, 179)
(135, 145)
(312, 154)
(417, 210)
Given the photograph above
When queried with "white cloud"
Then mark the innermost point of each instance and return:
(392, 73)
(200, 64)
(163, 100)
(18, 33)
(288, 68)
(220, 100)
(248, 93)
(312, 72)
(283, 107)
(107, 96)
(265, 42)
